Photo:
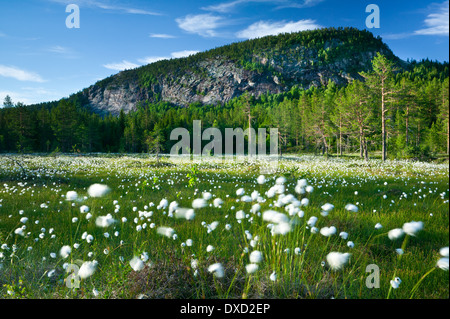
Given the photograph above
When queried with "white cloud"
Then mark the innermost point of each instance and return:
(15, 97)
(437, 22)
(152, 59)
(173, 55)
(125, 9)
(63, 51)
(229, 6)
(162, 36)
(396, 36)
(201, 24)
(124, 65)
(296, 4)
(19, 74)
(31, 95)
(182, 54)
(58, 49)
(280, 4)
(105, 6)
(263, 28)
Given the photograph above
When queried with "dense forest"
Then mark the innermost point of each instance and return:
(404, 113)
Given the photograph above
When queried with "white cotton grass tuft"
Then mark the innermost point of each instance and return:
(312, 221)
(273, 276)
(256, 208)
(326, 209)
(20, 231)
(337, 260)
(395, 233)
(412, 228)
(217, 270)
(251, 268)
(199, 203)
(71, 196)
(281, 229)
(240, 214)
(166, 231)
(98, 190)
(163, 203)
(186, 213)
(343, 235)
(137, 264)
(105, 221)
(261, 179)
(172, 206)
(275, 217)
(443, 252)
(256, 257)
(396, 282)
(351, 208)
(206, 195)
(87, 269)
(328, 231)
(84, 209)
(443, 263)
(304, 202)
(217, 202)
(65, 251)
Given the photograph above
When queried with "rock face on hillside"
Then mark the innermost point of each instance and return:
(218, 79)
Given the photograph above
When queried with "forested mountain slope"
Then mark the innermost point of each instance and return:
(271, 64)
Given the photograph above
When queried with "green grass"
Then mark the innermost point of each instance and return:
(136, 181)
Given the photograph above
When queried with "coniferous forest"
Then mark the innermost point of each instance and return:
(396, 113)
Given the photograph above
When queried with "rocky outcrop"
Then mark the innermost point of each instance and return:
(220, 79)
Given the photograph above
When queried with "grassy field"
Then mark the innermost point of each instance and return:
(216, 229)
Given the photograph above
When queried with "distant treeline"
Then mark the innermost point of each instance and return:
(407, 111)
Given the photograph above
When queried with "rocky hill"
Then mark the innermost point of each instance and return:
(271, 64)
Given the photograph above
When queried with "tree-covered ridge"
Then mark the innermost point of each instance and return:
(325, 120)
(313, 48)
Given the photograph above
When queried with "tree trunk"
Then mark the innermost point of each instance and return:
(361, 146)
(383, 124)
(249, 134)
(448, 136)
(366, 151)
(340, 137)
(407, 125)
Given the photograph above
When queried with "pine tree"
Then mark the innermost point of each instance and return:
(7, 102)
(65, 125)
(380, 80)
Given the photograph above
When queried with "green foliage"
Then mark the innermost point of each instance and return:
(192, 175)
(16, 290)
(327, 119)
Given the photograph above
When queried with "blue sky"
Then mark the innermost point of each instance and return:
(43, 60)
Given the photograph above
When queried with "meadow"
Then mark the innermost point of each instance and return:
(128, 226)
